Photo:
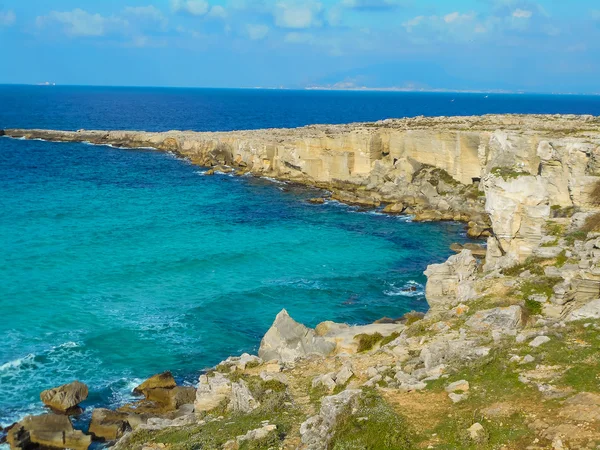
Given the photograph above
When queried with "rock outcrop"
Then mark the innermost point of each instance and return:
(46, 430)
(288, 340)
(450, 283)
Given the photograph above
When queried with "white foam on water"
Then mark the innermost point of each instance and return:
(410, 289)
(16, 363)
(274, 180)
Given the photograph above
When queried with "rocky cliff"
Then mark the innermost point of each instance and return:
(437, 168)
(506, 357)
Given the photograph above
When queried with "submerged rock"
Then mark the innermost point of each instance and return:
(288, 340)
(66, 397)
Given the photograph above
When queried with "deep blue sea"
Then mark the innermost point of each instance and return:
(118, 264)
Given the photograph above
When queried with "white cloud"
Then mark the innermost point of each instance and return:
(7, 18)
(413, 23)
(218, 11)
(147, 13)
(457, 17)
(298, 15)
(81, 23)
(193, 7)
(522, 14)
(257, 32)
(371, 5)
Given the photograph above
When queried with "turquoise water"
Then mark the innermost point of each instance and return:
(118, 264)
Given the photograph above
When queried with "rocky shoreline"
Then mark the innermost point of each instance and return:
(506, 356)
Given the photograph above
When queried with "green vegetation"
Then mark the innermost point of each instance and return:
(532, 308)
(561, 259)
(542, 286)
(557, 211)
(438, 175)
(533, 264)
(275, 406)
(373, 426)
(367, 341)
(579, 235)
(386, 340)
(492, 379)
(508, 173)
(554, 229)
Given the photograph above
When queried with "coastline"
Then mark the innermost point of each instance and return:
(533, 172)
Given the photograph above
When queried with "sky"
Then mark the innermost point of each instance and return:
(511, 45)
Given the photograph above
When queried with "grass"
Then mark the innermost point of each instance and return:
(367, 341)
(554, 229)
(508, 173)
(577, 351)
(492, 379)
(557, 211)
(533, 264)
(595, 194)
(592, 223)
(561, 259)
(532, 308)
(275, 406)
(386, 340)
(579, 235)
(374, 425)
(438, 175)
(541, 285)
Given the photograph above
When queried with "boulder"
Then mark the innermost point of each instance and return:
(540, 340)
(213, 389)
(461, 385)
(450, 283)
(172, 398)
(66, 397)
(109, 425)
(163, 380)
(288, 340)
(500, 319)
(47, 430)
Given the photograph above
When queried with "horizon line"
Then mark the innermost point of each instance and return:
(320, 89)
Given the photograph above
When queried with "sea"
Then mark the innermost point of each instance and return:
(119, 264)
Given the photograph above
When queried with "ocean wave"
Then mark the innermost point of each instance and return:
(16, 363)
(274, 180)
(409, 289)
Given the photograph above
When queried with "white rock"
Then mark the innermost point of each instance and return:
(461, 385)
(539, 341)
(476, 431)
(589, 311)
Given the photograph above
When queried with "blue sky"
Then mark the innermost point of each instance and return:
(536, 46)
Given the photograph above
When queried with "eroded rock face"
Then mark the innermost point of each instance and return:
(317, 431)
(588, 311)
(47, 430)
(496, 319)
(288, 340)
(212, 390)
(241, 398)
(450, 283)
(518, 208)
(66, 397)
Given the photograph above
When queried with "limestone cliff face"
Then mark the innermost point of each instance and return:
(550, 161)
